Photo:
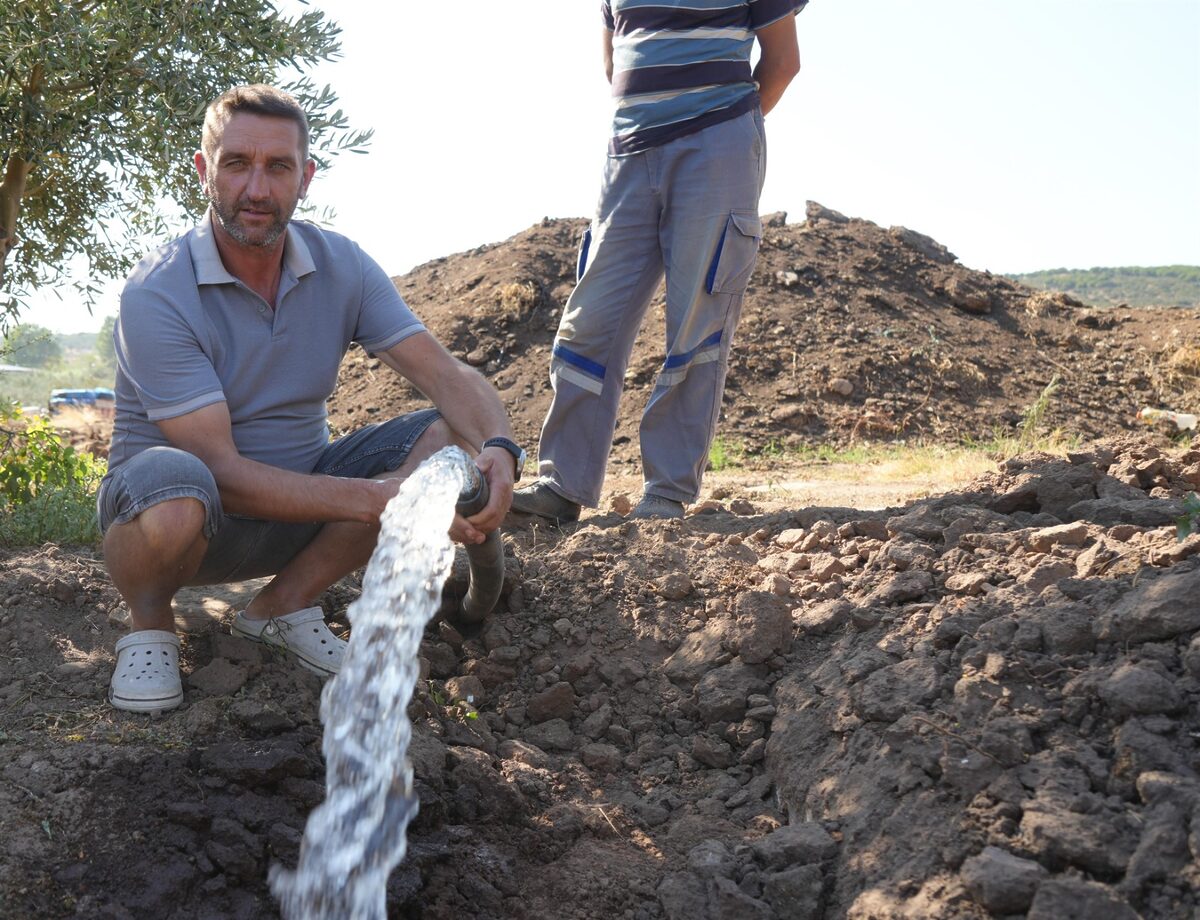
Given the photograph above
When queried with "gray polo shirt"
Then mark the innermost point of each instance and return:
(189, 334)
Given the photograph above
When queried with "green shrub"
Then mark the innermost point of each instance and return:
(1035, 415)
(1188, 523)
(724, 455)
(47, 488)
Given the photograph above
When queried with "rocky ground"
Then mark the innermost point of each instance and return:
(980, 704)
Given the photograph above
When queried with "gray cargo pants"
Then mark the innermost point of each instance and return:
(690, 209)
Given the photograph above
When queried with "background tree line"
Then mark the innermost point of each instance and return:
(1163, 286)
(54, 361)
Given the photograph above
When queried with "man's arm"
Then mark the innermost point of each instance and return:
(608, 53)
(263, 491)
(470, 406)
(779, 61)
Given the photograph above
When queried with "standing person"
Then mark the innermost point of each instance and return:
(680, 195)
(228, 343)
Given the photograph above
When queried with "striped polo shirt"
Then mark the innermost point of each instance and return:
(683, 65)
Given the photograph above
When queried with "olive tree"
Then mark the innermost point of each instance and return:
(101, 106)
(32, 346)
(106, 351)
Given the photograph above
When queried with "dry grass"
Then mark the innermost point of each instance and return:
(861, 477)
(518, 299)
(1045, 303)
(940, 466)
(946, 465)
(951, 368)
(1175, 377)
(1185, 362)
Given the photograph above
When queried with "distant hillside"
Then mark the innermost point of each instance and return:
(1163, 286)
(77, 341)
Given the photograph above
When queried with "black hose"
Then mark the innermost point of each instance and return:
(485, 560)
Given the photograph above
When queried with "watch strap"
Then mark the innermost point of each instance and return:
(513, 448)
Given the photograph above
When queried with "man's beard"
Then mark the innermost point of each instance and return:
(258, 238)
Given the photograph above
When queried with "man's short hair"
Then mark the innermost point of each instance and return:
(253, 99)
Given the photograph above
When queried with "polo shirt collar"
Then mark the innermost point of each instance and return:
(206, 259)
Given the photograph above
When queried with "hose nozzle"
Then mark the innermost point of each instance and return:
(486, 559)
(474, 495)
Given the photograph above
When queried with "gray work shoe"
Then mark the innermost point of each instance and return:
(540, 498)
(655, 506)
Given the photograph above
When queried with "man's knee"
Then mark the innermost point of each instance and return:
(439, 434)
(185, 515)
(163, 527)
(159, 476)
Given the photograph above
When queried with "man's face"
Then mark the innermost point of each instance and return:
(255, 177)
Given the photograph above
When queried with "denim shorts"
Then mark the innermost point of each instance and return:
(242, 547)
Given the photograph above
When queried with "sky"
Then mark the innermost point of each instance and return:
(1024, 135)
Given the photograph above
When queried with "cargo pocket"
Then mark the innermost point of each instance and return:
(585, 243)
(734, 259)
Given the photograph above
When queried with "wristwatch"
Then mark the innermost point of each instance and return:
(513, 448)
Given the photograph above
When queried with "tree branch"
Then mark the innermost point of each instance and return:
(36, 78)
(12, 190)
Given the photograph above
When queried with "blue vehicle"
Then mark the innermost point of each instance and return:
(101, 399)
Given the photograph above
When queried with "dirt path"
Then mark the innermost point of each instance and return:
(798, 485)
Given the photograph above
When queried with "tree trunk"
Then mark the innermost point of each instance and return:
(16, 175)
(12, 190)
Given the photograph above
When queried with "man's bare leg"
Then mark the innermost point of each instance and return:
(153, 556)
(339, 548)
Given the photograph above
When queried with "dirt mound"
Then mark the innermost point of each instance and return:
(849, 331)
(979, 704)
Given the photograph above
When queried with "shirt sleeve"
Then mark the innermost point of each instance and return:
(162, 357)
(384, 319)
(765, 12)
(607, 13)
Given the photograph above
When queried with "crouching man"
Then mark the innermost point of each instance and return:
(221, 469)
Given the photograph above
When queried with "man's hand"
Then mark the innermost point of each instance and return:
(498, 467)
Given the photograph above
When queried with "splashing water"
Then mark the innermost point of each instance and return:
(356, 836)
